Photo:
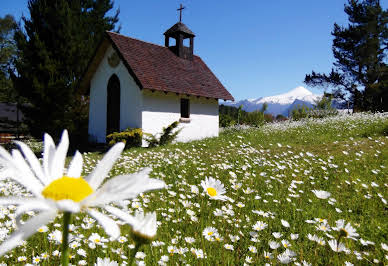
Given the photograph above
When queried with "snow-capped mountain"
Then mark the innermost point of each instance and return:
(282, 103)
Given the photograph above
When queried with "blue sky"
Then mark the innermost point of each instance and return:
(256, 48)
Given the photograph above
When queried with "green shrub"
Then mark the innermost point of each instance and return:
(132, 137)
(167, 137)
(300, 112)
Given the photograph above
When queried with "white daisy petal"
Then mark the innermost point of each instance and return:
(75, 168)
(125, 187)
(109, 225)
(33, 161)
(31, 205)
(14, 200)
(58, 162)
(68, 206)
(26, 230)
(48, 154)
(104, 166)
(24, 175)
(4, 154)
(120, 214)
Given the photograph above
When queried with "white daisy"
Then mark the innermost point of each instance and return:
(144, 226)
(106, 262)
(346, 230)
(259, 225)
(55, 191)
(321, 194)
(336, 246)
(214, 188)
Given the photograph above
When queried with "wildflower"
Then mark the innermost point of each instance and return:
(106, 262)
(277, 234)
(336, 246)
(144, 226)
(248, 259)
(268, 255)
(321, 194)
(229, 247)
(36, 260)
(190, 240)
(209, 232)
(285, 223)
(198, 253)
(140, 255)
(252, 249)
(81, 252)
(345, 230)
(214, 189)
(285, 243)
(258, 226)
(273, 244)
(283, 258)
(22, 258)
(55, 191)
(42, 229)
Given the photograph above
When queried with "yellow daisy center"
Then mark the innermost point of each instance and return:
(210, 233)
(211, 191)
(75, 189)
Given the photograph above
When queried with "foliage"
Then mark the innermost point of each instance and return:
(228, 115)
(167, 137)
(280, 117)
(132, 137)
(360, 72)
(58, 40)
(300, 112)
(7, 56)
(322, 108)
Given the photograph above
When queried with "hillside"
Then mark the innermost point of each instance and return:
(292, 188)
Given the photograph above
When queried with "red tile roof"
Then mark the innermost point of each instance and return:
(155, 67)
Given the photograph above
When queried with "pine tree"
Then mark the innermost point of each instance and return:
(360, 50)
(54, 49)
(7, 56)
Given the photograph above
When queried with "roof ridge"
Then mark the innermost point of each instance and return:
(136, 39)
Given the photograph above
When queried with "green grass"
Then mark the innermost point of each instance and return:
(340, 155)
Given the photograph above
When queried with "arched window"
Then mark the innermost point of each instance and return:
(113, 105)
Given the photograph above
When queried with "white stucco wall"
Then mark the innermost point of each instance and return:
(130, 103)
(160, 110)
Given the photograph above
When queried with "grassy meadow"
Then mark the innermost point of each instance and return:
(272, 214)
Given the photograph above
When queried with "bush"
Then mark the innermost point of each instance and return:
(300, 112)
(167, 137)
(132, 137)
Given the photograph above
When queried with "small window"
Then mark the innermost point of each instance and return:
(185, 108)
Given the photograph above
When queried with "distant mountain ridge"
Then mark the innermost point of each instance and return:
(280, 104)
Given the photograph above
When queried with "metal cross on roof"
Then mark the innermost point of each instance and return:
(180, 12)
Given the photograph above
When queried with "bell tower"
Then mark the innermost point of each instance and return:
(180, 32)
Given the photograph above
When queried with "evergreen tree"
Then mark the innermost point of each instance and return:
(7, 56)
(360, 51)
(54, 49)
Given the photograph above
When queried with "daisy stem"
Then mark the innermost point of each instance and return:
(65, 238)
